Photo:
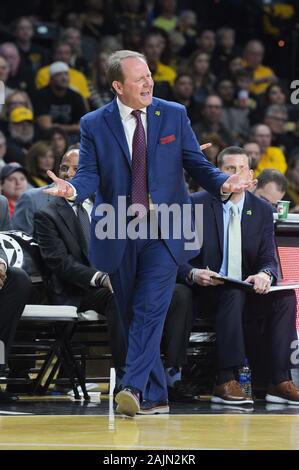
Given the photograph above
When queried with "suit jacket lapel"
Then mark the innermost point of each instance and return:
(154, 119)
(113, 120)
(218, 213)
(68, 216)
(246, 218)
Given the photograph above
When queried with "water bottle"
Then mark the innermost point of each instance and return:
(245, 378)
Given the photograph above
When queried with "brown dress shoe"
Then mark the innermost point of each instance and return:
(285, 392)
(230, 393)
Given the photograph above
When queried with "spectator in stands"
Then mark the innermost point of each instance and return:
(276, 117)
(254, 152)
(59, 142)
(153, 46)
(253, 60)
(132, 16)
(73, 37)
(16, 99)
(211, 120)
(272, 157)
(15, 287)
(39, 159)
(206, 42)
(271, 186)
(183, 93)
(33, 55)
(21, 128)
(216, 146)
(166, 18)
(20, 76)
(98, 19)
(199, 69)
(14, 182)
(4, 74)
(233, 118)
(58, 104)
(187, 25)
(235, 66)
(9, 152)
(100, 91)
(62, 52)
(36, 199)
(292, 176)
(225, 50)
(248, 253)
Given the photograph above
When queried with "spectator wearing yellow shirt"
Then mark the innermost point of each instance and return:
(78, 82)
(153, 47)
(272, 157)
(253, 59)
(167, 19)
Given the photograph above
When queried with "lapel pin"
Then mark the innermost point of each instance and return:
(157, 113)
(249, 212)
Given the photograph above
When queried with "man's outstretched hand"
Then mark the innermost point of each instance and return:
(61, 188)
(237, 183)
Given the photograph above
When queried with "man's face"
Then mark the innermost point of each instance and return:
(233, 164)
(262, 137)
(24, 30)
(184, 87)
(60, 80)
(137, 89)
(213, 109)
(254, 151)
(69, 165)
(22, 131)
(226, 90)
(270, 192)
(12, 57)
(254, 55)
(14, 185)
(63, 53)
(153, 48)
(276, 122)
(207, 41)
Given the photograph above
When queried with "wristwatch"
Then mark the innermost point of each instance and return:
(267, 271)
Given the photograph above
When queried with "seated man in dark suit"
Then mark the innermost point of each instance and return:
(15, 288)
(62, 232)
(238, 241)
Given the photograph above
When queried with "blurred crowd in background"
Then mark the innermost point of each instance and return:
(233, 64)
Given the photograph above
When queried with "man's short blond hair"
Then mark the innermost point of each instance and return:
(114, 70)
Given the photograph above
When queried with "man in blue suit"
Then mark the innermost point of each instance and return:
(238, 241)
(135, 149)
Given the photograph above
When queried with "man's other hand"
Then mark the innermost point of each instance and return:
(202, 277)
(261, 283)
(61, 188)
(237, 183)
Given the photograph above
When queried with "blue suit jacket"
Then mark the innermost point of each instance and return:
(257, 228)
(105, 169)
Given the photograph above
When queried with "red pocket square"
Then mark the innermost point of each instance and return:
(167, 139)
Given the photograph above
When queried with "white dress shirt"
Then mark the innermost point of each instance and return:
(129, 122)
